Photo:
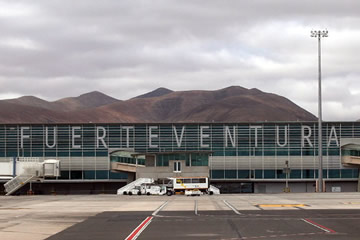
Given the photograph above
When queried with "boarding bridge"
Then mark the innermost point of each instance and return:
(125, 167)
(350, 154)
(134, 184)
(30, 169)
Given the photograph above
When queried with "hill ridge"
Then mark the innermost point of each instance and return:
(230, 104)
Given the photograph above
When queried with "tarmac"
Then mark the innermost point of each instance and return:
(294, 216)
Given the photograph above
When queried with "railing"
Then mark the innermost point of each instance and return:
(16, 183)
(133, 184)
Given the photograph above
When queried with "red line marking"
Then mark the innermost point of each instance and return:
(137, 230)
(329, 229)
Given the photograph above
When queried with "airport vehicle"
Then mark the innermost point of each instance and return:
(194, 192)
(189, 186)
(146, 189)
(182, 184)
(154, 189)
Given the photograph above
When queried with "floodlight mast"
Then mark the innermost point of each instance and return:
(320, 34)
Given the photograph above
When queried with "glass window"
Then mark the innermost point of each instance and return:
(187, 180)
(346, 173)
(217, 174)
(295, 173)
(202, 180)
(258, 174)
(269, 174)
(89, 174)
(280, 174)
(177, 166)
(195, 180)
(334, 173)
(199, 159)
(76, 174)
(243, 173)
(102, 174)
(308, 173)
(64, 175)
(230, 174)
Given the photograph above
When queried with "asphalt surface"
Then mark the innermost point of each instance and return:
(297, 224)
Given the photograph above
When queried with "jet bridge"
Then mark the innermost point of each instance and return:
(350, 154)
(26, 170)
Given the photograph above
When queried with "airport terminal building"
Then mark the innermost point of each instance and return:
(237, 157)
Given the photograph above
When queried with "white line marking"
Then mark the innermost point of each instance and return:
(231, 207)
(159, 209)
(196, 208)
(325, 229)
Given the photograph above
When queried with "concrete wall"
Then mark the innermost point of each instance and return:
(300, 187)
(279, 187)
(345, 186)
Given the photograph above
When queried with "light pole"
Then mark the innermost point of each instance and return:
(319, 34)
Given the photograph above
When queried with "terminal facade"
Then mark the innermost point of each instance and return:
(237, 157)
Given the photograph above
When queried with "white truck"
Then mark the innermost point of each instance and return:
(189, 186)
(148, 189)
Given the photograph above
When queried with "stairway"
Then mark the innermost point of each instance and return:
(133, 184)
(214, 189)
(17, 182)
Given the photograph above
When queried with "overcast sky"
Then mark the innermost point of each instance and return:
(55, 49)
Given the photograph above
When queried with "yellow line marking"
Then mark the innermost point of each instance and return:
(353, 203)
(281, 205)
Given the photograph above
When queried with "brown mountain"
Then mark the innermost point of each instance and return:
(232, 104)
(156, 93)
(30, 101)
(84, 101)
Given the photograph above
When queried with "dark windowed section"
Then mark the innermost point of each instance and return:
(269, 174)
(280, 174)
(334, 173)
(199, 159)
(76, 174)
(295, 173)
(347, 152)
(243, 174)
(308, 173)
(217, 174)
(89, 174)
(230, 174)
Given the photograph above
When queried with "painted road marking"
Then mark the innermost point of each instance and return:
(280, 205)
(279, 236)
(352, 203)
(325, 229)
(231, 207)
(196, 208)
(137, 231)
(159, 209)
(134, 234)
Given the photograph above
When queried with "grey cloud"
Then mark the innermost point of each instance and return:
(126, 48)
